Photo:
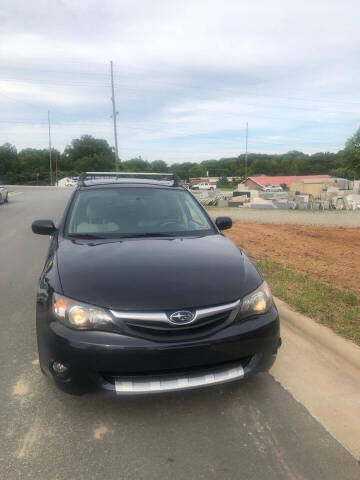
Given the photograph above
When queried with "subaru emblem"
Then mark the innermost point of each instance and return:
(182, 317)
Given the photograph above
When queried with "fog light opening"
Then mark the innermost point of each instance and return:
(59, 368)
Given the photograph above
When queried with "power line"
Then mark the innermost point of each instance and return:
(247, 103)
(174, 84)
(163, 83)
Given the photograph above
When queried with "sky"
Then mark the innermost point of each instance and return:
(188, 75)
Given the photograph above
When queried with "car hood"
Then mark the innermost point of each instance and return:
(155, 273)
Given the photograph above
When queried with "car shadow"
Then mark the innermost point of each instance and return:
(245, 391)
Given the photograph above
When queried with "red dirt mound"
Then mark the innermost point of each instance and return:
(329, 253)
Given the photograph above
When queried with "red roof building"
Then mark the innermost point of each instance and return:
(261, 181)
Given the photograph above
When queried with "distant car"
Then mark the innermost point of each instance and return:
(273, 188)
(203, 186)
(4, 193)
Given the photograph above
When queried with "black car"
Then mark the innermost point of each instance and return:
(142, 293)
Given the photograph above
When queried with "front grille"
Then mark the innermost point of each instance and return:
(157, 325)
(207, 327)
(171, 329)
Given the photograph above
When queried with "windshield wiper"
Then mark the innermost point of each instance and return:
(84, 235)
(147, 234)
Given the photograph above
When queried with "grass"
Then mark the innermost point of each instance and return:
(338, 308)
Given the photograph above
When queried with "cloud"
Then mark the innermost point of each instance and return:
(188, 75)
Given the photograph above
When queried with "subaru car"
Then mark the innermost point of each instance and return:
(142, 293)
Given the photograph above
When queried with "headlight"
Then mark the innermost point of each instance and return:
(79, 315)
(258, 301)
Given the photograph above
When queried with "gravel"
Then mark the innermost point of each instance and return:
(301, 217)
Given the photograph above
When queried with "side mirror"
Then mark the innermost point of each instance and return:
(223, 223)
(43, 227)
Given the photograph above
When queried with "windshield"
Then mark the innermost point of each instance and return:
(137, 211)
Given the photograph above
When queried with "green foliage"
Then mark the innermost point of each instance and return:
(197, 171)
(9, 163)
(338, 308)
(136, 165)
(352, 154)
(93, 163)
(235, 182)
(95, 154)
(223, 182)
(182, 169)
(88, 146)
(159, 166)
(34, 165)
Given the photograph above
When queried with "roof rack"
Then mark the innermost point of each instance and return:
(117, 175)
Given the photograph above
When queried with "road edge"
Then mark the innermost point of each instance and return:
(339, 346)
(321, 370)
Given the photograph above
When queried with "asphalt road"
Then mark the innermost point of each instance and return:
(251, 430)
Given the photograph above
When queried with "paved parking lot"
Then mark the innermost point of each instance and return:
(251, 430)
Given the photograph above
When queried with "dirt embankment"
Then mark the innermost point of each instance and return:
(329, 253)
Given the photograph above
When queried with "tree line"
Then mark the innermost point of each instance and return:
(31, 166)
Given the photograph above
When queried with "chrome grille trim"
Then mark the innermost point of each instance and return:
(208, 312)
(144, 317)
(171, 383)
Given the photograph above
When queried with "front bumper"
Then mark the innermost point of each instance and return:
(113, 363)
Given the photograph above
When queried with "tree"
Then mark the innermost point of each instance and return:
(197, 171)
(159, 166)
(34, 165)
(235, 181)
(9, 164)
(94, 163)
(182, 169)
(88, 147)
(352, 155)
(136, 164)
(223, 182)
(259, 166)
(89, 153)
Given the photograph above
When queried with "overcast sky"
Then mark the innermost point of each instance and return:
(188, 74)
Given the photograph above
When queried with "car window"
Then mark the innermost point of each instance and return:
(125, 211)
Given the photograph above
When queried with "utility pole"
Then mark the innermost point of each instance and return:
(114, 117)
(56, 169)
(246, 149)
(50, 163)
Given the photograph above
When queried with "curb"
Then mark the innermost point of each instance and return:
(343, 348)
